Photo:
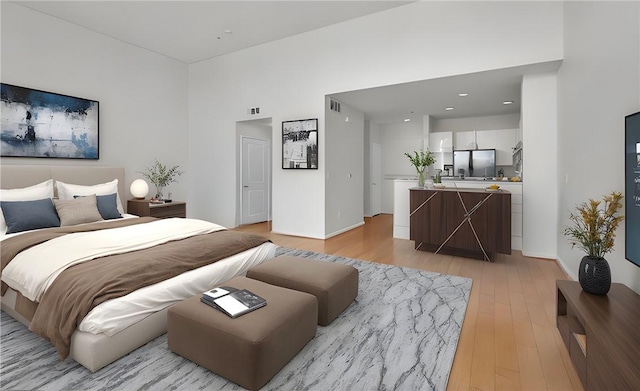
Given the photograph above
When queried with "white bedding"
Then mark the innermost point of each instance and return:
(117, 314)
(33, 270)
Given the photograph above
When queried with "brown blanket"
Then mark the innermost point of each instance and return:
(12, 246)
(77, 290)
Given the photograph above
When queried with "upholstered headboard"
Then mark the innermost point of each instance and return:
(16, 176)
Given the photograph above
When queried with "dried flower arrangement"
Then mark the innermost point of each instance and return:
(594, 227)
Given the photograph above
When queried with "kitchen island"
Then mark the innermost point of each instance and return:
(461, 221)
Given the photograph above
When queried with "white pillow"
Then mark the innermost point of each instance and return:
(32, 193)
(67, 191)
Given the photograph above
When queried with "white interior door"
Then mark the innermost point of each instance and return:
(255, 180)
(376, 179)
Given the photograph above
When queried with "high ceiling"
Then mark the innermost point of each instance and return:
(192, 31)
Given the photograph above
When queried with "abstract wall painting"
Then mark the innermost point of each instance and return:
(44, 124)
(300, 144)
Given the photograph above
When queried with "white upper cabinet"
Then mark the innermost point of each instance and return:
(506, 140)
(441, 142)
(487, 139)
(502, 140)
(464, 140)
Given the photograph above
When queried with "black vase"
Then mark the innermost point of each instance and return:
(595, 275)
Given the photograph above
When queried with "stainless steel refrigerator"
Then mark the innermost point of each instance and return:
(474, 163)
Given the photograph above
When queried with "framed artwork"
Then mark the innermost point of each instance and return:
(45, 124)
(300, 144)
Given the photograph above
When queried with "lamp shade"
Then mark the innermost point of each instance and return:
(139, 188)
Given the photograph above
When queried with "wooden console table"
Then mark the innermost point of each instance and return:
(602, 335)
(465, 222)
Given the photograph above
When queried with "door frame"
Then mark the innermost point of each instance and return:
(259, 129)
(372, 162)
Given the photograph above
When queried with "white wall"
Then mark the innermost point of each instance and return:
(489, 122)
(371, 136)
(396, 139)
(540, 167)
(344, 179)
(142, 95)
(288, 79)
(599, 83)
(366, 188)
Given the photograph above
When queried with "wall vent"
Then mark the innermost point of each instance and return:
(334, 105)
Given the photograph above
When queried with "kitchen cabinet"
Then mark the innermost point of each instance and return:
(502, 140)
(515, 188)
(464, 140)
(487, 139)
(518, 135)
(441, 142)
(505, 141)
(438, 221)
(401, 207)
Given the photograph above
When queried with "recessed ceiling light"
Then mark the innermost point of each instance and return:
(449, 108)
(407, 119)
(227, 31)
(463, 94)
(507, 102)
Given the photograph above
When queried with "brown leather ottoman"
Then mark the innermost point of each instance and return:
(334, 284)
(251, 349)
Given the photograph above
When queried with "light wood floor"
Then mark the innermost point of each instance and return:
(509, 339)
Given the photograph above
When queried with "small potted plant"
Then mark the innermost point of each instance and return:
(421, 160)
(160, 175)
(593, 231)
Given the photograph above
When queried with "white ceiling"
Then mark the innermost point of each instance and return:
(192, 31)
(486, 93)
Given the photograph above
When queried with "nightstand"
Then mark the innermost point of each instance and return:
(144, 208)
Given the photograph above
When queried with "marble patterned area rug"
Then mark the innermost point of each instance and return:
(401, 333)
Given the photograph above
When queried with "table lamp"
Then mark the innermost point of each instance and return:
(139, 189)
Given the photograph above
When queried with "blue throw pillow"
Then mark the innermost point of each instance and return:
(27, 215)
(107, 206)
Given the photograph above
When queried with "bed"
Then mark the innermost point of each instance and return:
(121, 323)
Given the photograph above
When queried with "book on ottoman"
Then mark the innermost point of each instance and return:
(233, 302)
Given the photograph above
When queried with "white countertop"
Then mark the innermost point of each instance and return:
(479, 180)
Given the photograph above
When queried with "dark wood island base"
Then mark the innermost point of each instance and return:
(471, 223)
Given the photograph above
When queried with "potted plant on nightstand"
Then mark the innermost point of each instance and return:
(161, 176)
(421, 160)
(593, 231)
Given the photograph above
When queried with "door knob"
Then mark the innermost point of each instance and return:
(245, 186)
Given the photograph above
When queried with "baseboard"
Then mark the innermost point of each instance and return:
(344, 230)
(538, 255)
(296, 234)
(570, 273)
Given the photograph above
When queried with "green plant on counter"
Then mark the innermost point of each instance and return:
(593, 229)
(421, 160)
